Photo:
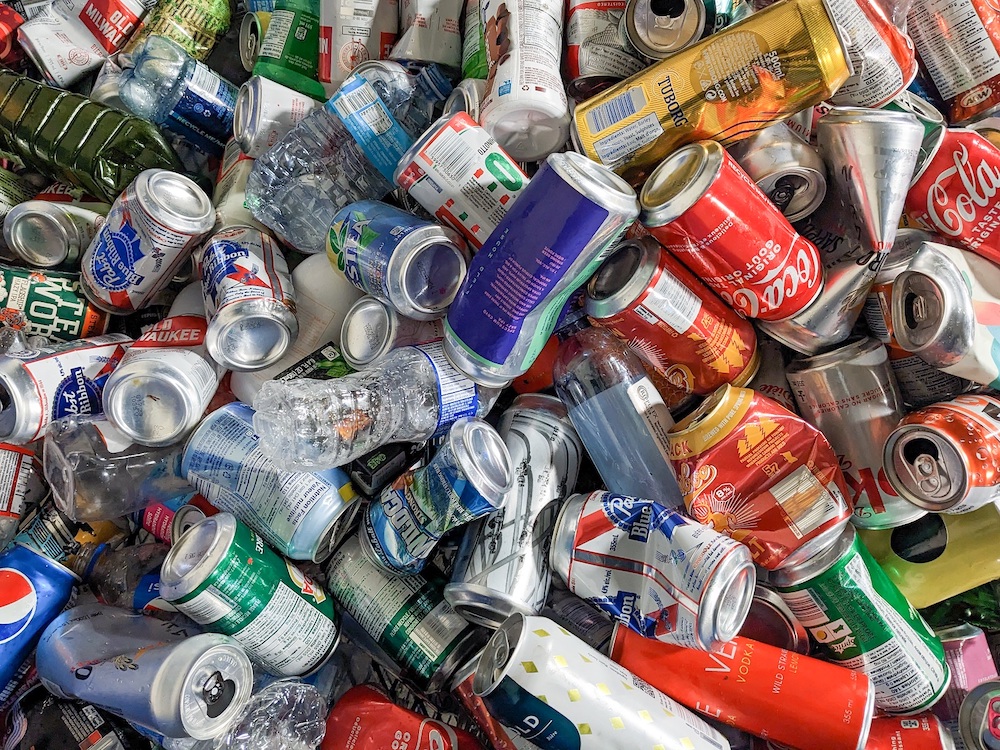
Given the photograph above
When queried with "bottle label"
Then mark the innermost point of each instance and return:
(650, 407)
(147, 594)
(457, 395)
(15, 471)
(204, 113)
(325, 363)
(369, 121)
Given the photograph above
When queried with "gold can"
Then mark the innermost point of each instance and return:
(726, 87)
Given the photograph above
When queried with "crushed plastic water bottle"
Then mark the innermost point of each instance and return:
(286, 715)
(343, 152)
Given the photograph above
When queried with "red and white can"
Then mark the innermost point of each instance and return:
(459, 173)
(921, 732)
(958, 42)
(649, 300)
(597, 53)
(364, 719)
(760, 474)
(771, 692)
(957, 194)
(702, 206)
(11, 54)
(351, 33)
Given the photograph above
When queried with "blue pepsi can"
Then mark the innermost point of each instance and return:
(468, 477)
(33, 590)
(546, 246)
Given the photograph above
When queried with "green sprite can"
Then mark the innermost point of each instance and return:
(221, 574)
(52, 303)
(406, 616)
(859, 619)
(289, 51)
(474, 63)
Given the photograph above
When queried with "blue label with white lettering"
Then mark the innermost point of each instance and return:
(77, 395)
(370, 122)
(114, 257)
(531, 717)
(204, 113)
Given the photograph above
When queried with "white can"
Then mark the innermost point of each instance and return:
(430, 33)
(265, 112)
(230, 193)
(525, 107)
(352, 32)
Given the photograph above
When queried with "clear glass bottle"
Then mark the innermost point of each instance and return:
(619, 415)
(411, 395)
(96, 473)
(343, 152)
(170, 88)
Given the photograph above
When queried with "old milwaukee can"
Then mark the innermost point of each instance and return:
(761, 689)
(959, 46)
(851, 395)
(725, 87)
(597, 53)
(702, 206)
(945, 458)
(760, 474)
(649, 300)
(956, 193)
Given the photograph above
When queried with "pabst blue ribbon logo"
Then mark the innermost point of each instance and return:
(114, 261)
(225, 259)
(18, 601)
(76, 395)
(638, 517)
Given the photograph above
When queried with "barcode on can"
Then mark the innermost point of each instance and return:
(806, 501)
(807, 608)
(616, 109)
(451, 157)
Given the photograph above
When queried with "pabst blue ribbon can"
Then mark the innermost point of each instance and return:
(702, 206)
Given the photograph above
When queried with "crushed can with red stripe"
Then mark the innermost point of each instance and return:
(768, 691)
(753, 470)
(703, 208)
(365, 719)
(921, 732)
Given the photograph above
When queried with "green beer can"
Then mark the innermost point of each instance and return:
(52, 303)
(221, 574)
(860, 620)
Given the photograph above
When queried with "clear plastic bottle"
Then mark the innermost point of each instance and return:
(411, 395)
(96, 473)
(117, 575)
(170, 88)
(343, 152)
(618, 414)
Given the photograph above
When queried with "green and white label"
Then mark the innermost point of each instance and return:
(284, 620)
(862, 621)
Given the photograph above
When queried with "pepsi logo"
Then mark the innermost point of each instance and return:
(18, 601)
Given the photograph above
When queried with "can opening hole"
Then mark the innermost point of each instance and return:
(672, 8)
(919, 447)
(910, 309)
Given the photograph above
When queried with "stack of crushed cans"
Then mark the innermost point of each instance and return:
(598, 375)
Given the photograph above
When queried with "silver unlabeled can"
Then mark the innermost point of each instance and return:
(557, 692)
(44, 234)
(851, 395)
(39, 385)
(372, 329)
(149, 234)
(264, 112)
(502, 566)
(166, 379)
(249, 299)
(458, 173)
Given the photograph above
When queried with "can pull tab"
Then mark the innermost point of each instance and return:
(666, 12)
(923, 461)
(217, 693)
(785, 189)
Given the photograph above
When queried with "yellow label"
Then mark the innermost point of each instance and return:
(728, 86)
(710, 423)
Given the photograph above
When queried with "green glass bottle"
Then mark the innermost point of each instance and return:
(196, 25)
(69, 138)
(289, 52)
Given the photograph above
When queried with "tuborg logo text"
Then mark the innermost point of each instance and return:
(18, 601)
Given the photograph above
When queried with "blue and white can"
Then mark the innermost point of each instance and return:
(150, 231)
(33, 590)
(303, 515)
(468, 477)
(548, 244)
(414, 265)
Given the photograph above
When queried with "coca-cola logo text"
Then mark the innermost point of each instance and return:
(950, 211)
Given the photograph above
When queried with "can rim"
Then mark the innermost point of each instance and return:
(637, 261)
(662, 199)
(904, 434)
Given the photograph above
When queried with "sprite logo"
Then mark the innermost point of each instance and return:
(504, 171)
(347, 239)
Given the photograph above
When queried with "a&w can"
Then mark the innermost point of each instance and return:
(858, 618)
(557, 692)
(502, 567)
(654, 570)
(223, 576)
(149, 233)
(945, 458)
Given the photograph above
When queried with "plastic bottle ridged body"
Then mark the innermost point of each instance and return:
(315, 170)
(307, 423)
(152, 88)
(72, 139)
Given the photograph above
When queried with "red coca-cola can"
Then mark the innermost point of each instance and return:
(921, 732)
(957, 193)
(11, 54)
(771, 692)
(703, 208)
(364, 719)
(649, 300)
(753, 470)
